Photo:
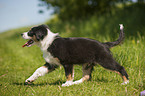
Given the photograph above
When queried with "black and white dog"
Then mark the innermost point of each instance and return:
(70, 51)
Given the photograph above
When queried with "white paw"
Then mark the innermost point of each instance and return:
(29, 81)
(124, 83)
(67, 83)
(78, 81)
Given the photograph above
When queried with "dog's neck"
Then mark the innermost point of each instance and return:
(47, 41)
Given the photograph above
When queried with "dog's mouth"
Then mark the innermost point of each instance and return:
(28, 43)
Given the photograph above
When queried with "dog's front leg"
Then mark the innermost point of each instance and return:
(41, 72)
(69, 75)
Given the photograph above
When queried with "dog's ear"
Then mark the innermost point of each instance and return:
(40, 32)
(39, 35)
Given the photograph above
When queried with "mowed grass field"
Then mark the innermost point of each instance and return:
(17, 63)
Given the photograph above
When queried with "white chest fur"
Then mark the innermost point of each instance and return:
(50, 59)
(44, 45)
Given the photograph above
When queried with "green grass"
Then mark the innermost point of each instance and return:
(17, 63)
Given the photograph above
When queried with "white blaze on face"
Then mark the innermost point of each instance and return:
(25, 36)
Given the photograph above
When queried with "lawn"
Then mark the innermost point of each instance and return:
(17, 63)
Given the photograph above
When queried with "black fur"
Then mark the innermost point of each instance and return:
(82, 50)
(77, 50)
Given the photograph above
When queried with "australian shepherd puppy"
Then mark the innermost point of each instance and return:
(70, 51)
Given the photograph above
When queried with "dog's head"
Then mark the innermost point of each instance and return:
(36, 34)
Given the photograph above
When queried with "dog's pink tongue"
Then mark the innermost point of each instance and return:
(25, 44)
(28, 43)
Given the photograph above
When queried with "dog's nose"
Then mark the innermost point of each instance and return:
(22, 34)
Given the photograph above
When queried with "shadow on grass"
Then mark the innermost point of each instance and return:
(101, 80)
(58, 82)
(105, 80)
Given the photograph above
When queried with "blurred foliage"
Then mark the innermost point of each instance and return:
(78, 9)
(74, 9)
(107, 25)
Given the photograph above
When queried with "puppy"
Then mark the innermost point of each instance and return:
(70, 51)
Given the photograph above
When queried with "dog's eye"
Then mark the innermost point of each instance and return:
(30, 33)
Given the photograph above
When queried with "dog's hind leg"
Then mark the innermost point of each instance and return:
(121, 71)
(111, 64)
(40, 72)
(87, 70)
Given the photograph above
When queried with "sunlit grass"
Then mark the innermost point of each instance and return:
(17, 63)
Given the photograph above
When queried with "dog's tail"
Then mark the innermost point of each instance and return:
(120, 39)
